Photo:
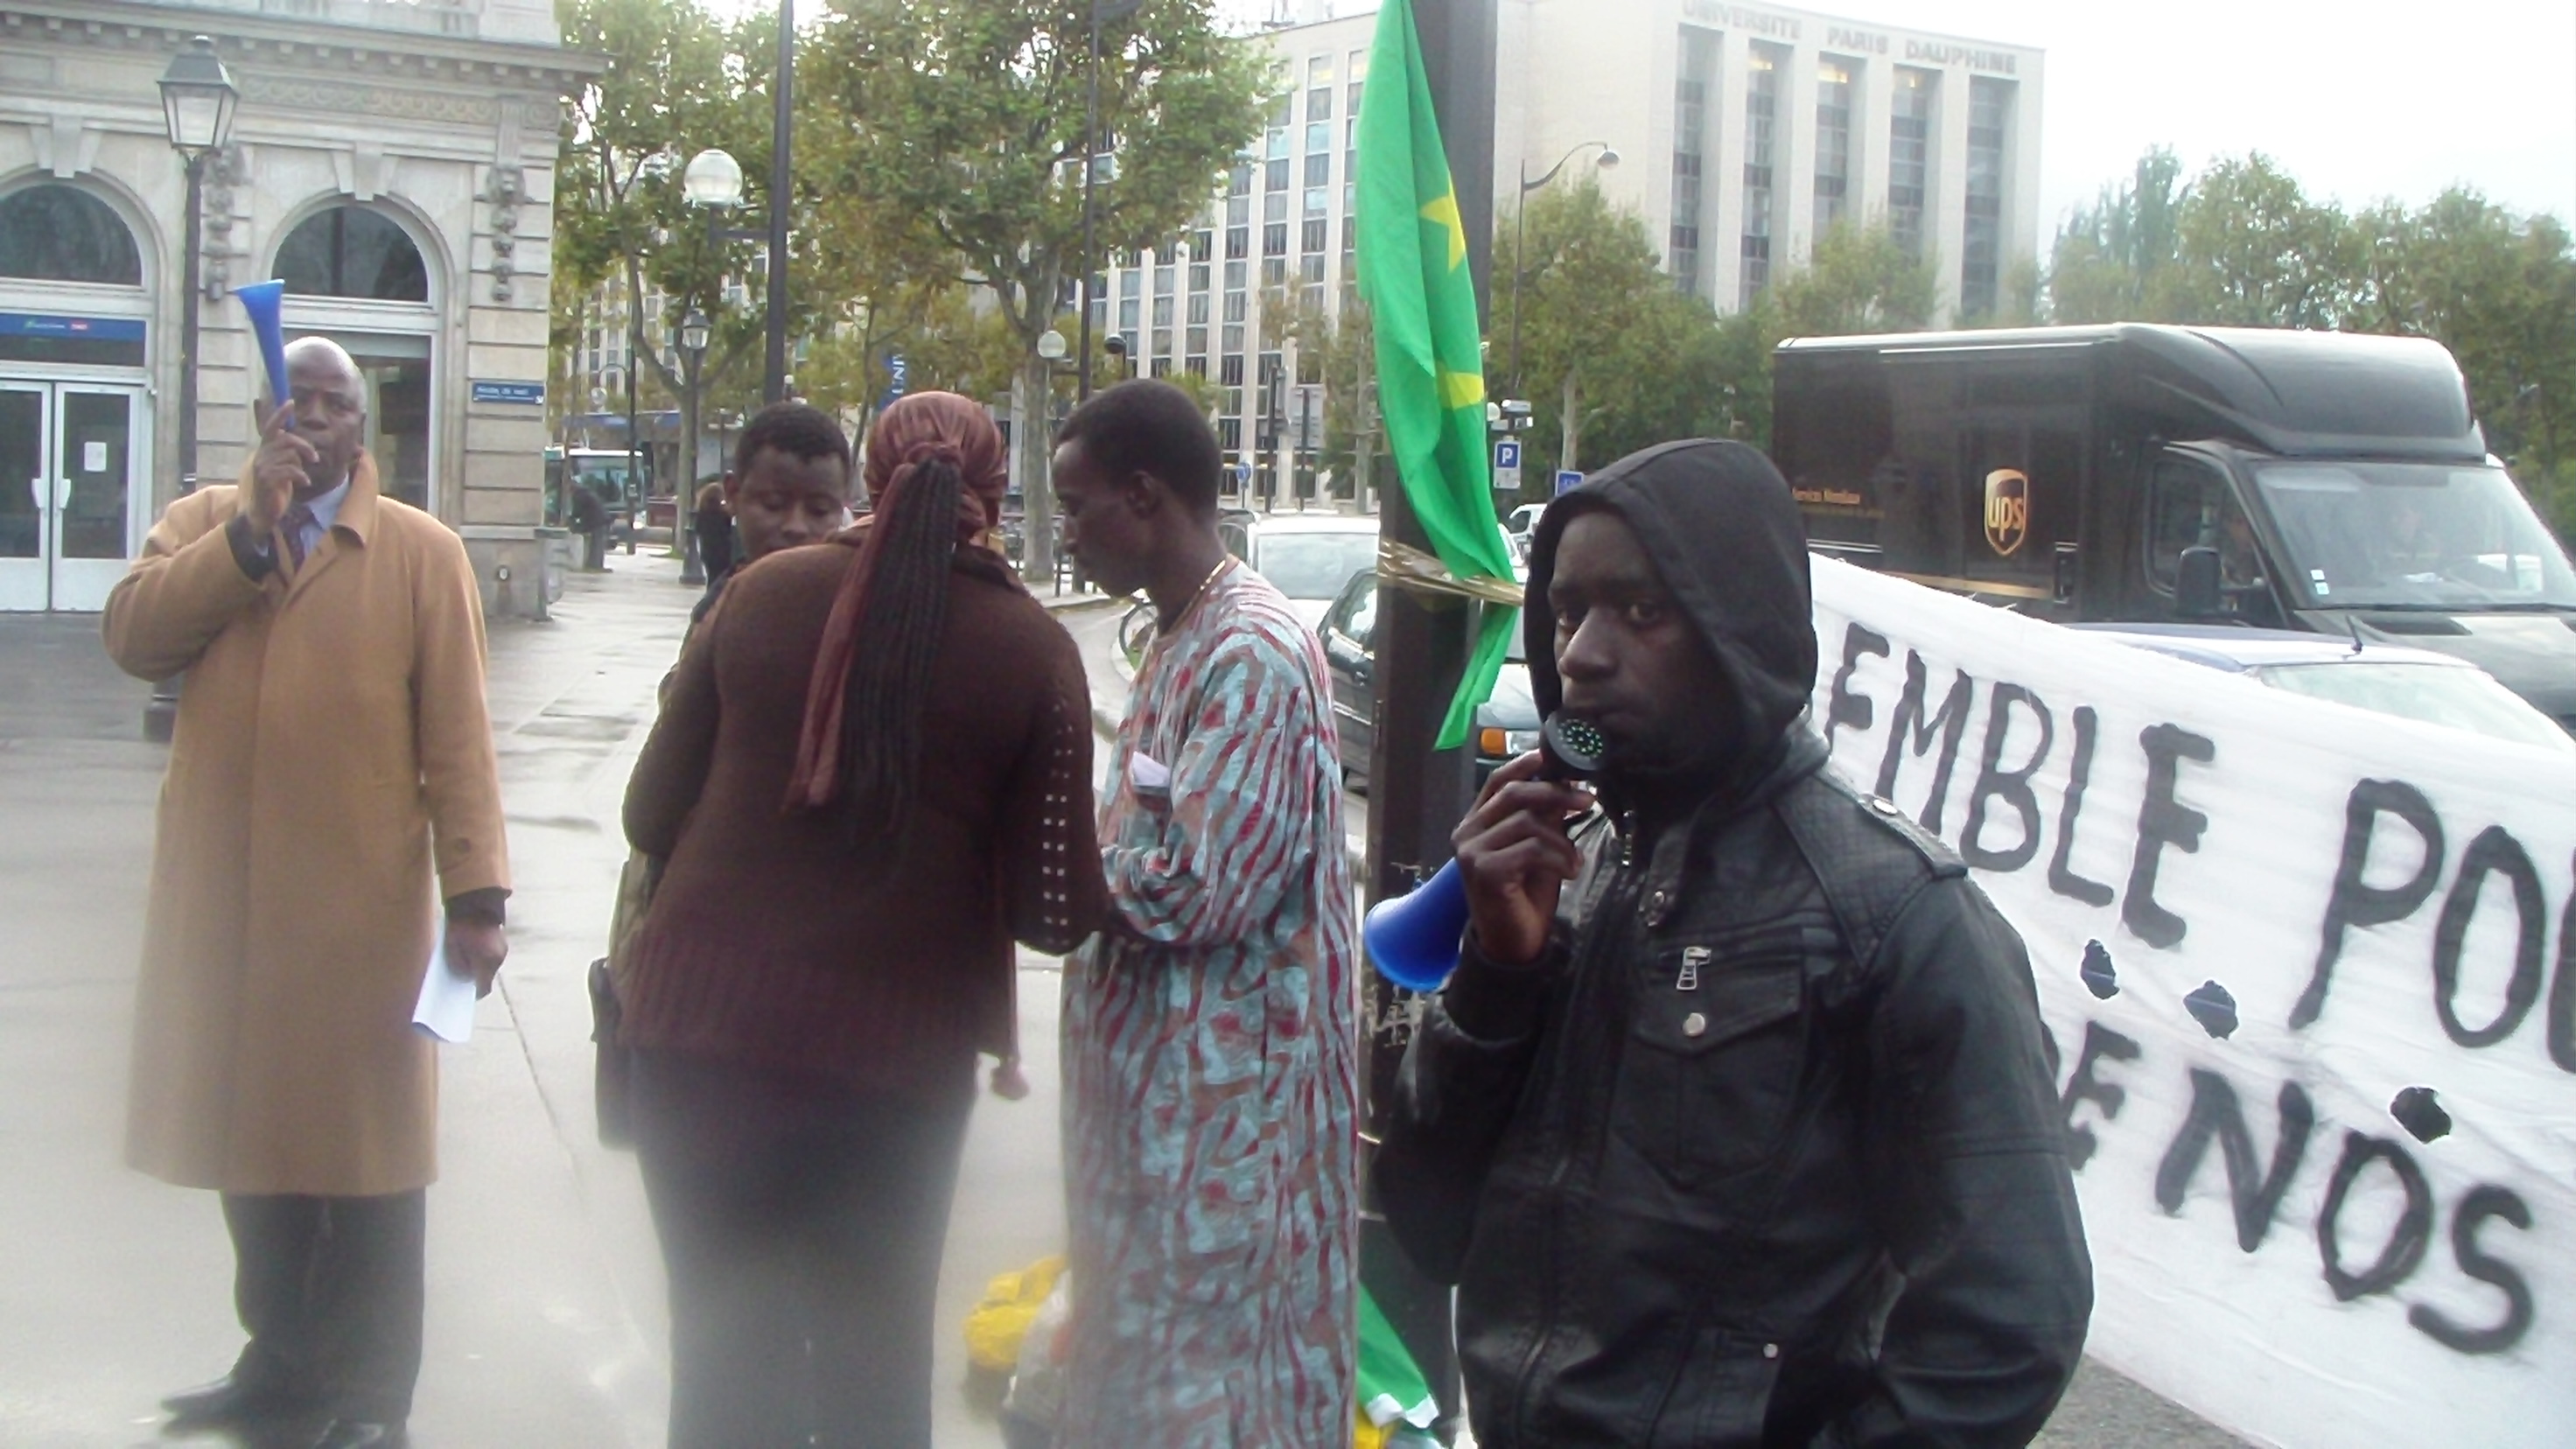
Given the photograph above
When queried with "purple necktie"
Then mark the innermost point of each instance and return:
(298, 519)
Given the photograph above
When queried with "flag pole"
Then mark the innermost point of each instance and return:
(1418, 793)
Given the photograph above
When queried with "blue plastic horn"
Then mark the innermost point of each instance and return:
(260, 300)
(1414, 938)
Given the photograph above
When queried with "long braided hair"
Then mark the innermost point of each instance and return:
(935, 472)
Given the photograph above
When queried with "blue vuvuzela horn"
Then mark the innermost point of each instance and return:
(260, 300)
(1413, 939)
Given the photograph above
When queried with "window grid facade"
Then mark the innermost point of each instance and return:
(1761, 132)
(1691, 86)
(1981, 248)
(1909, 155)
(1833, 140)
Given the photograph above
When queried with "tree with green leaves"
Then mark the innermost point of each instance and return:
(972, 135)
(1602, 332)
(679, 81)
(1856, 279)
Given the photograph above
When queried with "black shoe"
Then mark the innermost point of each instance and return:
(230, 1400)
(355, 1434)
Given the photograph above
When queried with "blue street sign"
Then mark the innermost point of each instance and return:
(102, 329)
(898, 377)
(1507, 454)
(526, 394)
(1567, 480)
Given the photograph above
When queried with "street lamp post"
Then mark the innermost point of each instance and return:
(713, 183)
(197, 101)
(1520, 235)
(693, 352)
(773, 383)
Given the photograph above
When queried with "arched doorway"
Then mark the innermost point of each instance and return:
(73, 413)
(356, 275)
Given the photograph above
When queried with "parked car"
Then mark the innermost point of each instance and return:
(1307, 556)
(1506, 723)
(1517, 525)
(2415, 684)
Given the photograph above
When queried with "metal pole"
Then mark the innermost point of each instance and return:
(773, 384)
(1520, 269)
(1090, 173)
(684, 495)
(1417, 794)
(191, 278)
(634, 474)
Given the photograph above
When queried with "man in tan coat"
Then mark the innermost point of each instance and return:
(332, 756)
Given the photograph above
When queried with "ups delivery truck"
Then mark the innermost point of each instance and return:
(2131, 474)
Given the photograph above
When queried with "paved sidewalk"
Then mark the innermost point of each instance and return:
(547, 1325)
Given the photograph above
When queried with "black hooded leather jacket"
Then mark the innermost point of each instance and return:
(1764, 1150)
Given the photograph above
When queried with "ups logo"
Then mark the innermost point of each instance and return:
(2007, 511)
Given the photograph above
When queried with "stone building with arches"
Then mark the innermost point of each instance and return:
(391, 160)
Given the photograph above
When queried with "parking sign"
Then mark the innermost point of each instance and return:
(1507, 466)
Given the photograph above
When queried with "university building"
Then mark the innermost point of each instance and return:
(391, 160)
(1743, 132)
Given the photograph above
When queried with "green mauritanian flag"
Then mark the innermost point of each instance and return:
(1430, 368)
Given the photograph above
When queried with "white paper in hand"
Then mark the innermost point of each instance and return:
(1149, 775)
(446, 1009)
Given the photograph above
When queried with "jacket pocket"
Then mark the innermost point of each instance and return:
(1716, 1048)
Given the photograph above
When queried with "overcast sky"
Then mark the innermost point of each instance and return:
(2358, 99)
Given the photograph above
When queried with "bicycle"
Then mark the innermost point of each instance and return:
(1136, 632)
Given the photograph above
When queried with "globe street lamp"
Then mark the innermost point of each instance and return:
(712, 182)
(693, 352)
(197, 101)
(1607, 160)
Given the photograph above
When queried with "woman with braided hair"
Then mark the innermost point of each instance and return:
(872, 774)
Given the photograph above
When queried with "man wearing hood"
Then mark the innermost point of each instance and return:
(1734, 1126)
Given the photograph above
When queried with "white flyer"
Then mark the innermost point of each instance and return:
(446, 1009)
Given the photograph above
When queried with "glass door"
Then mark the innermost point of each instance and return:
(26, 496)
(93, 491)
(69, 462)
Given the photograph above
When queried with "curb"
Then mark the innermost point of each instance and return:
(1076, 603)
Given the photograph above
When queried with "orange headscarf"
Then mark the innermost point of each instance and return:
(918, 430)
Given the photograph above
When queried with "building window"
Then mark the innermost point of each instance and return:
(1310, 269)
(1274, 239)
(1909, 156)
(1696, 72)
(1162, 311)
(1162, 367)
(1234, 337)
(349, 251)
(1198, 307)
(1199, 271)
(1989, 118)
(1239, 181)
(1833, 140)
(1238, 242)
(1275, 175)
(1238, 210)
(1235, 274)
(1163, 342)
(1198, 364)
(55, 233)
(1274, 269)
(1319, 138)
(1234, 306)
(1318, 231)
(1761, 128)
(1274, 207)
(1229, 431)
(1319, 200)
(1197, 340)
(1319, 168)
(1129, 311)
(1230, 372)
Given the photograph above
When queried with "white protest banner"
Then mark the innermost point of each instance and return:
(2310, 976)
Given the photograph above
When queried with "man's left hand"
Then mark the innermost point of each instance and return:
(477, 949)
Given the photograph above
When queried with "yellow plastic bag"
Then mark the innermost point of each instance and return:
(1011, 1300)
